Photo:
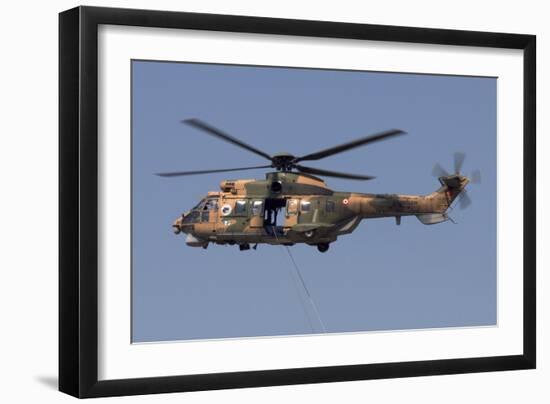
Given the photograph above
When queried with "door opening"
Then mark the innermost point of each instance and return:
(271, 214)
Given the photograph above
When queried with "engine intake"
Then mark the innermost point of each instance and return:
(276, 187)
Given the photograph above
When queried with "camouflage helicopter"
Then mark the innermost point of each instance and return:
(246, 211)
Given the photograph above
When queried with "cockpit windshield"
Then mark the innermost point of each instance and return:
(201, 211)
(207, 204)
(200, 205)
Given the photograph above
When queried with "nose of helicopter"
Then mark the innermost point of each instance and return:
(178, 224)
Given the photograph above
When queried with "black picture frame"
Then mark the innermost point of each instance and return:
(78, 201)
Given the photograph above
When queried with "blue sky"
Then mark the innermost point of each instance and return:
(381, 277)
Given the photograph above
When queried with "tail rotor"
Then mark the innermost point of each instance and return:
(457, 180)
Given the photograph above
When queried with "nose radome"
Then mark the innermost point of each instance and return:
(178, 224)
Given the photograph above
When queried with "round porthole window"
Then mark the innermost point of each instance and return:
(226, 209)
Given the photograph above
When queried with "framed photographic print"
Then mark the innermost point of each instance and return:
(251, 201)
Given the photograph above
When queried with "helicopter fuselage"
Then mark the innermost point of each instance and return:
(288, 208)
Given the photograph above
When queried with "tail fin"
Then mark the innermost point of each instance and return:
(451, 187)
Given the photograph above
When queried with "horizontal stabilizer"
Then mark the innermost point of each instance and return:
(433, 218)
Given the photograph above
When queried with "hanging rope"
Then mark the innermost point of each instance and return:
(300, 277)
(306, 290)
(302, 302)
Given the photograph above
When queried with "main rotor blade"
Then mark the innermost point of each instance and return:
(439, 171)
(350, 145)
(326, 173)
(180, 173)
(464, 200)
(459, 160)
(197, 123)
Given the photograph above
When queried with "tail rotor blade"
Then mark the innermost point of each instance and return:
(459, 161)
(439, 171)
(464, 200)
(476, 177)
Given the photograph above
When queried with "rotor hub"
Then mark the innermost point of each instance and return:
(283, 161)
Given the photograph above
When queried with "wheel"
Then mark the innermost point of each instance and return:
(309, 233)
(322, 247)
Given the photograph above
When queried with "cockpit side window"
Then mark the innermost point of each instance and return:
(211, 204)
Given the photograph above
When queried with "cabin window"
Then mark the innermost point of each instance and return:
(305, 206)
(292, 207)
(257, 208)
(240, 207)
(330, 205)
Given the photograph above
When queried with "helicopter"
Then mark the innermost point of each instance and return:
(246, 212)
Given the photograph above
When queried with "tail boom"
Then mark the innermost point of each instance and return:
(430, 209)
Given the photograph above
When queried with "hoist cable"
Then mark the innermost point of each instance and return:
(306, 290)
(302, 281)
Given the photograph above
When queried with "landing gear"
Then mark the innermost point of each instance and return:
(323, 247)
(243, 247)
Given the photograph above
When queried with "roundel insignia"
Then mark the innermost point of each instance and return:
(226, 209)
(345, 201)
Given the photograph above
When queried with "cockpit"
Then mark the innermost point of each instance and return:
(201, 211)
